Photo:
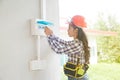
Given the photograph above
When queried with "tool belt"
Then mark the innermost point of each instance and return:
(75, 70)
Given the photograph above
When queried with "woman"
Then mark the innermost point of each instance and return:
(78, 47)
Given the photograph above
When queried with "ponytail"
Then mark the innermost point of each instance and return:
(82, 37)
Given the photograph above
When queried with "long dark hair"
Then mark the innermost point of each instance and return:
(82, 37)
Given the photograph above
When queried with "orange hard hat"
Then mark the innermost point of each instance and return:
(79, 21)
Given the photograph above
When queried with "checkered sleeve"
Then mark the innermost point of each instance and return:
(61, 46)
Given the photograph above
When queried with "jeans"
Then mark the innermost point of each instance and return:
(85, 77)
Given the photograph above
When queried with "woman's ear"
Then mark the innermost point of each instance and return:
(76, 30)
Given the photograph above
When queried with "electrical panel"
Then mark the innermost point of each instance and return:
(38, 25)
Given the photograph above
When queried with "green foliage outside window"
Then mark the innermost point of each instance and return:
(108, 46)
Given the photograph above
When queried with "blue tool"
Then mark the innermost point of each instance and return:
(42, 24)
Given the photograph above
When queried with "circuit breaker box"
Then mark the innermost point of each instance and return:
(38, 25)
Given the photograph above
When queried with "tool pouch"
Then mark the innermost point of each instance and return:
(75, 70)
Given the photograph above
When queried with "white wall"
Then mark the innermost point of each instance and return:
(17, 46)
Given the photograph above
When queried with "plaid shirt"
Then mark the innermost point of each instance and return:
(73, 49)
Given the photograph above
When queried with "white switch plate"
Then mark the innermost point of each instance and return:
(37, 65)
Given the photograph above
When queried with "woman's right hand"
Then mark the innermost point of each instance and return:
(48, 31)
